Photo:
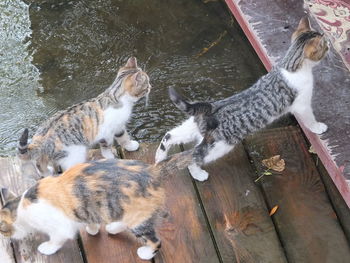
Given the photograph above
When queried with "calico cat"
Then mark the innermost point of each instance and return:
(218, 126)
(63, 140)
(124, 194)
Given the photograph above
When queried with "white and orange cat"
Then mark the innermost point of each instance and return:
(63, 140)
(124, 194)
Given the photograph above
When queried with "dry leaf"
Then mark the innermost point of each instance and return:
(274, 163)
(273, 210)
(312, 150)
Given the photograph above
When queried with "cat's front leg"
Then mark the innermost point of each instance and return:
(92, 229)
(106, 149)
(124, 140)
(52, 246)
(306, 115)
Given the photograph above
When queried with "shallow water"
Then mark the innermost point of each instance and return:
(57, 53)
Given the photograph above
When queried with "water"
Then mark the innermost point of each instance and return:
(57, 53)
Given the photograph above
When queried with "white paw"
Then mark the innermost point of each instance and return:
(131, 146)
(48, 248)
(319, 128)
(145, 252)
(115, 227)
(92, 229)
(107, 154)
(160, 155)
(198, 173)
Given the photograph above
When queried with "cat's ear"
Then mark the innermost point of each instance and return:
(6, 194)
(131, 63)
(304, 26)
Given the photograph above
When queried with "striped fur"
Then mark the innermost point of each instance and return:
(64, 139)
(218, 126)
(124, 194)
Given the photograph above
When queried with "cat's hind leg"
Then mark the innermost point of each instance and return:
(106, 149)
(116, 227)
(206, 153)
(92, 229)
(53, 245)
(185, 133)
(124, 140)
(146, 231)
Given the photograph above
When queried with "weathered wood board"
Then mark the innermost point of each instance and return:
(307, 224)
(17, 180)
(183, 230)
(237, 212)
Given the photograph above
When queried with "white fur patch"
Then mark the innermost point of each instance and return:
(116, 227)
(115, 119)
(185, 133)
(145, 252)
(198, 173)
(45, 218)
(76, 154)
(93, 229)
(220, 149)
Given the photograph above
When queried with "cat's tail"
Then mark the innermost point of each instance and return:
(23, 145)
(172, 164)
(194, 108)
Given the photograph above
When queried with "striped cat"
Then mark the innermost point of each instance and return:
(218, 126)
(124, 194)
(63, 140)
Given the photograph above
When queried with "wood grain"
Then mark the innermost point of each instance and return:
(18, 180)
(237, 212)
(307, 224)
(183, 230)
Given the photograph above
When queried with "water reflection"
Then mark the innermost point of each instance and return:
(78, 46)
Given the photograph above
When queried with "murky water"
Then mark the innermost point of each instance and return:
(57, 53)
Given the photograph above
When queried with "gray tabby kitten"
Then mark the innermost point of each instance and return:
(220, 125)
(63, 140)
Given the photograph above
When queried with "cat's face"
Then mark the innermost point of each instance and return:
(136, 82)
(315, 45)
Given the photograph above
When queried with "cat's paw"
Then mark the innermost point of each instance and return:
(48, 248)
(131, 146)
(115, 227)
(319, 128)
(107, 154)
(92, 229)
(160, 155)
(198, 173)
(145, 252)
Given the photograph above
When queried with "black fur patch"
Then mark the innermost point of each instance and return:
(162, 147)
(119, 134)
(167, 137)
(32, 193)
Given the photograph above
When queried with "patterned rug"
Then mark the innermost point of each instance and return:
(334, 18)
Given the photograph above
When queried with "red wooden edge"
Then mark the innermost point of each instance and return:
(259, 49)
(334, 171)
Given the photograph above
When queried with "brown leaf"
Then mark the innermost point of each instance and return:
(274, 163)
(273, 210)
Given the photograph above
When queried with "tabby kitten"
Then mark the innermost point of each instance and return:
(63, 140)
(124, 194)
(218, 126)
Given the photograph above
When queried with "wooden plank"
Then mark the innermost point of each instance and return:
(16, 180)
(307, 224)
(237, 211)
(339, 205)
(184, 233)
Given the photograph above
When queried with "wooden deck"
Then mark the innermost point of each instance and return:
(269, 24)
(225, 219)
